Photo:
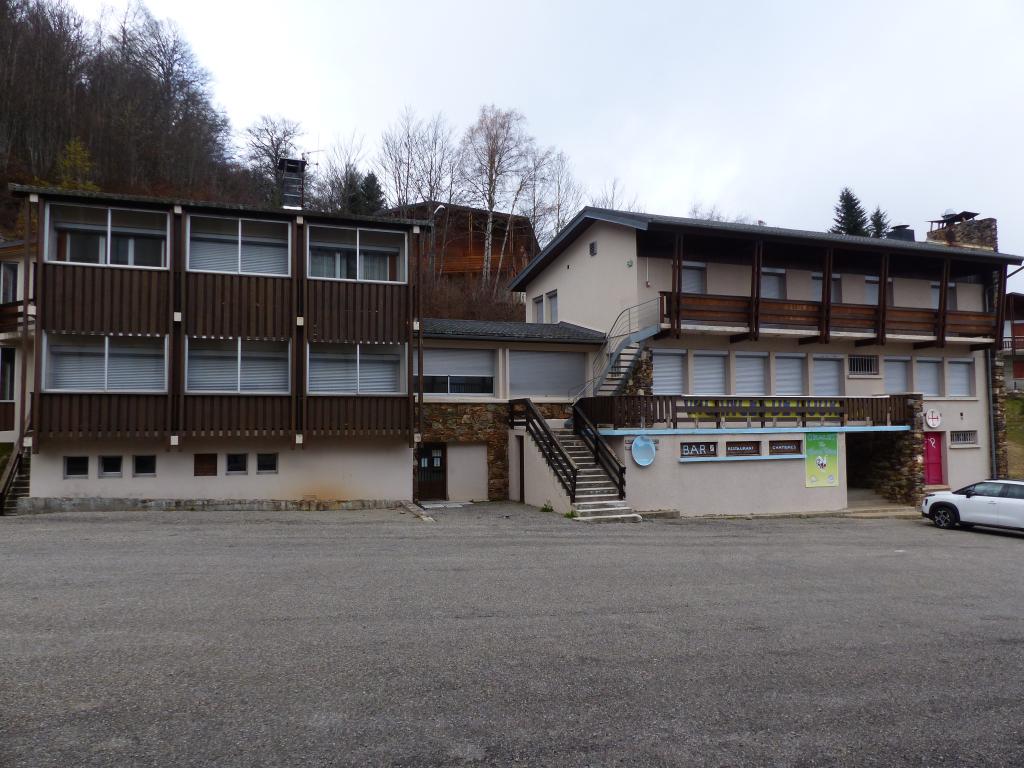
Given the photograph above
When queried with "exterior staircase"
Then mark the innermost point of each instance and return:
(615, 362)
(19, 487)
(596, 494)
(620, 369)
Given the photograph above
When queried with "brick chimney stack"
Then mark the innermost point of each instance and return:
(964, 230)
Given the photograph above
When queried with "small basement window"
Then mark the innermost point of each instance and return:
(76, 467)
(963, 437)
(110, 466)
(205, 465)
(266, 463)
(145, 466)
(237, 464)
(862, 365)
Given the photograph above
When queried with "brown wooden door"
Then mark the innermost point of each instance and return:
(432, 472)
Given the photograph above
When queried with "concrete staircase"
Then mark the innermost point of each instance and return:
(620, 370)
(596, 493)
(20, 486)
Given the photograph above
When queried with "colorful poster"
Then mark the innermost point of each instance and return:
(822, 462)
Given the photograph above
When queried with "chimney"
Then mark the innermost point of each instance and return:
(964, 230)
(293, 186)
(901, 232)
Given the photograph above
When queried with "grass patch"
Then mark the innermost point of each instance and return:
(1015, 435)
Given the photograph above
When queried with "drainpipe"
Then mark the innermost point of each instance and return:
(991, 415)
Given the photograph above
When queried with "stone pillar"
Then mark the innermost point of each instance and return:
(896, 466)
(641, 381)
(975, 233)
(998, 385)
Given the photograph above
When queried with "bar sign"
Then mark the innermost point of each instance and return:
(694, 450)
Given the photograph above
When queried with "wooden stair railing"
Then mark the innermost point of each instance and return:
(603, 454)
(523, 413)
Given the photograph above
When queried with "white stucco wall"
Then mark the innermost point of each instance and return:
(541, 486)
(467, 472)
(329, 470)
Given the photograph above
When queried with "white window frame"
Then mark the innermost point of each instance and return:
(963, 444)
(538, 304)
(239, 219)
(551, 318)
(941, 377)
(17, 281)
(238, 371)
(403, 376)
(106, 263)
(819, 277)
(766, 370)
(106, 367)
(950, 291)
(773, 272)
(972, 394)
(696, 266)
(774, 382)
(843, 366)
(710, 353)
(359, 256)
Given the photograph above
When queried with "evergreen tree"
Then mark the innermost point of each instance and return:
(850, 218)
(370, 197)
(75, 167)
(879, 226)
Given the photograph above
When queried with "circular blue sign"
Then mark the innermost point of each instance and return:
(643, 450)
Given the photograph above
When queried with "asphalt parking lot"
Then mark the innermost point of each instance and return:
(500, 635)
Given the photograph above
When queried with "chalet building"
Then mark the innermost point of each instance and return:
(752, 369)
(1013, 341)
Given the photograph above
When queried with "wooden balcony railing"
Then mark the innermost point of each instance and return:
(10, 316)
(668, 411)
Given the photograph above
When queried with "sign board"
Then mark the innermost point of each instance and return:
(822, 462)
(933, 418)
(784, 447)
(743, 448)
(698, 450)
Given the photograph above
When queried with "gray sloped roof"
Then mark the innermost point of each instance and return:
(644, 221)
(509, 330)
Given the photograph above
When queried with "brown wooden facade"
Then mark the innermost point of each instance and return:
(114, 300)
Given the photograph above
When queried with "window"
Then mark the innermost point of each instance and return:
(244, 246)
(457, 371)
(964, 437)
(89, 363)
(827, 377)
(110, 466)
(236, 464)
(897, 375)
(961, 378)
(76, 467)
(694, 278)
(928, 377)
(862, 365)
(789, 375)
(837, 287)
(337, 253)
(773, 283)
(237, 365)
(669, 376)
(7, 357)
(751, 374)
(709, 374)
(1013, 491)
(871, 290)
(950, 296)
(8, 282)
(552, 307)
(538, 309)
(988, 489)
(204, 465)
(593, 248)
(266, 463)
(144, 466)
(546, 374)
(113, 236)
(348, 369)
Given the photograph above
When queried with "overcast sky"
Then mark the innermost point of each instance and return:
(765, 109)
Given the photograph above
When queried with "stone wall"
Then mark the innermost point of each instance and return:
(998, 384)
(892, 463)
(480, 423)
(976, 233)
(641, 381)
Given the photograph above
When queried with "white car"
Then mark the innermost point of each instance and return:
(995, 503)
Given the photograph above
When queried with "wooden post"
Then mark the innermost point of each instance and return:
(826, 297)
(26, 269)
(883, 298)
(1000, 313)
(940, 323)
(40, 315)
(755, 290)
(674, 298)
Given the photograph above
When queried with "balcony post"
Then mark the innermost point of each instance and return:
(755, 290)
(677, 275)
(826, 297)
(1000, 313)
(26, 269)
(940, 322)
(883, 298)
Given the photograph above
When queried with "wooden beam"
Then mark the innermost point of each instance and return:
(927, 344)
(868, 342)
(826, 297)
(940, 323)
(673, 303)
(883, 298)
(813, 340)
(736, 338)
(755, 290)
(1000, 309)
(26, 267)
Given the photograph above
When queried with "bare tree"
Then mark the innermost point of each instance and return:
(495, 153)
(553, 197)
(396, 161)
(613, 196)
(336, 186)
(713, 213)
(267, 142)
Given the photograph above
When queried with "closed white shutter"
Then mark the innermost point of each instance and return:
(693, 280)
(457, 362)
(264, 366)
(828, 377)
(928, 377)
(751, 375)
(75, 363)
(551, 374)
(789, 375)
(332, 368)
(897, 379)
(136, 365)
(773, 285)
(212, 365)
(709, 375)
(669, 373)
(380, 368)
(265, 258)
(213, 255)
(961, 376)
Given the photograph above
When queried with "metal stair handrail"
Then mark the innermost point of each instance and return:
(603, 454)
(523, 413)
(645, 316)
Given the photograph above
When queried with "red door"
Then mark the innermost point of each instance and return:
(933, 458)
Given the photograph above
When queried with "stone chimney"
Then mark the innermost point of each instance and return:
(964, 230)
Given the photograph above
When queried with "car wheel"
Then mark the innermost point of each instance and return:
(944, 517)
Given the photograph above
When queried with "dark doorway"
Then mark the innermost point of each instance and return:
(432, 472)
(522, 468)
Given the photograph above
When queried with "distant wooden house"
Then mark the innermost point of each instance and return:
(456, 246)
